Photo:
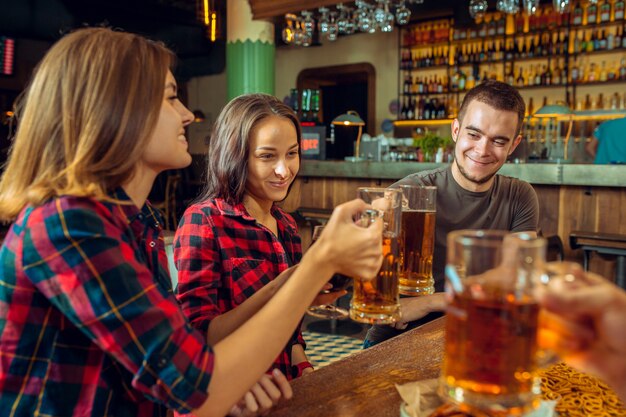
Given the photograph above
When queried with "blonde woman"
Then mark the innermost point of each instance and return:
(88, 322)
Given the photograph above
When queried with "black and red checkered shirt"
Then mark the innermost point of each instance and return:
(88, 322)
(224, 256)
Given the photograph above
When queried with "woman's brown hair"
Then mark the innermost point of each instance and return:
(229, 146)
(85, 118)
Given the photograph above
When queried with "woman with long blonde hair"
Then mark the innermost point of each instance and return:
(88, 322)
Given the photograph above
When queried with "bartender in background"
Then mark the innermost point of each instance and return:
(608, 143)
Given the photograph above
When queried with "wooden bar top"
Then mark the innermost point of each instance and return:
(363, 384)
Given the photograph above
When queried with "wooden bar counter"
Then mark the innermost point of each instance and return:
(363, 384)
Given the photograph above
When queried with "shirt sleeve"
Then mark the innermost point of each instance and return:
(199, 268)
(526, 215)
(99, 280)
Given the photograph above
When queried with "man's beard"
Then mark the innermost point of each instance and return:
(467, 176)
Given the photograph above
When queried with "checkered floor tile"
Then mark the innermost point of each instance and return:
(323, 349)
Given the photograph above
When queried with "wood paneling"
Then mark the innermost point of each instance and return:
(562, 209)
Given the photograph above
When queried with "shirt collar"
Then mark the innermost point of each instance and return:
(146, 215)
(239, 210)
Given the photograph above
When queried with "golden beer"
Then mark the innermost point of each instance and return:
(417, 244)
(376, 301)
(491, 350)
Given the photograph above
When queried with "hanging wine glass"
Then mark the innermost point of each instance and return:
(350, 21)
(342, 20)
(477, 8)
(379, 12)
(298, 35)
(333, 29)
(387, 25)
(403, 14)
(288, 32)
(364, 20)
(561, 6)
(322, 22)
(530, 6)
(308, 22)
(508, 6)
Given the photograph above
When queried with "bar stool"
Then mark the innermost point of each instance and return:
(604, 244)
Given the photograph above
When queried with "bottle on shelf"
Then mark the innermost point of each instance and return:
(592, 13)
(604, 11)
(618, 10)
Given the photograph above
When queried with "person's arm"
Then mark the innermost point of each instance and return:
(196, 253)
(414, 308)
(591, 147)
(299, 358)
(526, 209)
(595, 306)
(245, 354)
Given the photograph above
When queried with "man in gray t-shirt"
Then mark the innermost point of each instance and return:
(470, 194)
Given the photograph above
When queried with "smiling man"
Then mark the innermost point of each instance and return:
(470, 193)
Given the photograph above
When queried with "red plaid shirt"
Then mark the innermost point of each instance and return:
(224, 256)
(88, 322)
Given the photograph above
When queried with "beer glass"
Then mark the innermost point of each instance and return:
(417, 239)
(491, 353)
(338, 281)
(376, 301)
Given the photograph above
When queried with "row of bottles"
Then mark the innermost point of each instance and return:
(557, 43)
(426, 108)
(615, 101)
(552, 73)
(306, 104)
(597, 12)
(427, 33)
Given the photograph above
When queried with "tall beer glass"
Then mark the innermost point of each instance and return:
(417, 239)
(491, 350)
(376, 301)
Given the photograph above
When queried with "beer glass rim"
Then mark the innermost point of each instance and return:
(376, 189)
(493, 238)
(423, 187)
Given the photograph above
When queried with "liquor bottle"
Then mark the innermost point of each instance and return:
(403, 109)
(622, 69)
(556, 75)
(600, 102)
(602, 41)
(530, 109)
(519, 81)
(605, 11)
(577, 15)
(618, 8)
(575, 73)
(410, 111)
(603, 72)
(617, 42)
(592, 14)
(610, 39)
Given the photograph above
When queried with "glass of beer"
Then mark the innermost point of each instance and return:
(339, 282)
(377, 301)
(492, 354)
(417, 239)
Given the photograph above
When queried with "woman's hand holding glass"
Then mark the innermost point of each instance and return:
(350, 249)
(591, 312)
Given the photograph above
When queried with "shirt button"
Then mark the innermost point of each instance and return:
(140, 216)
(162, 362)
(152, 243)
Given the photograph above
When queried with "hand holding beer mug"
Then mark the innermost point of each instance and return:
(376, 301)
(339, 283)
(417, 239)
(491, 349)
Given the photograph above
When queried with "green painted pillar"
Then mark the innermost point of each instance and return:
(250, 52)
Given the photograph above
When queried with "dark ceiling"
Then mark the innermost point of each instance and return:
(171, 21)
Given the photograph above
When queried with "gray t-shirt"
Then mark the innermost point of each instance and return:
(510, 204)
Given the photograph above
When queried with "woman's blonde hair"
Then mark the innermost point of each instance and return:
(85, 118)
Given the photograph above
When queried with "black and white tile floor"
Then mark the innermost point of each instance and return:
(323, 349)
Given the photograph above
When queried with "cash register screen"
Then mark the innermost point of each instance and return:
(313, 142)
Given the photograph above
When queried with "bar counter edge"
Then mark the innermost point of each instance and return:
(548, 174)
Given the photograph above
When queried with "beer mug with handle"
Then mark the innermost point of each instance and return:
(377, 301)
(417, 239)
(492, 355)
